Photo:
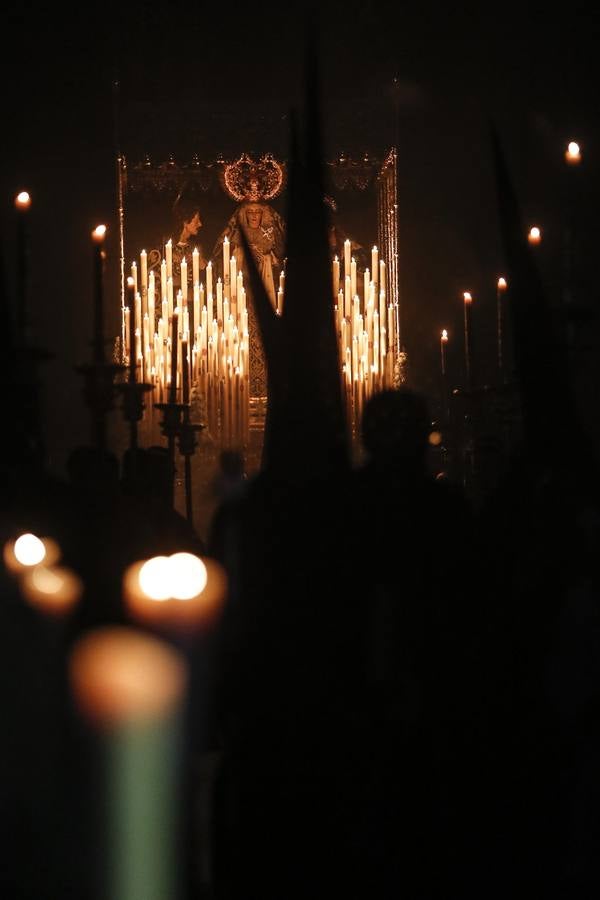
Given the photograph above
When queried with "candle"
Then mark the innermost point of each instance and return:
(54, 590)
(209, 281)
(186, 371)
(184, 284)
(144, 279)
(573, 154)
(174, 348)
(169, 257)
(219, 302)
(375, 266)
(468, 301)
(347, 247)
(22, 205)
(163, 280)
(195, 265)
(131, 687)
(382, 286)
(233, 277)
(500, 289)
(98, 235)
(336, 276)
(29, 550)
(535, 235)
(226, 273)
(353, 277)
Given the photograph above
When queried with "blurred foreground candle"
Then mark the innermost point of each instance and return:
(28, 551)
(54, 590)
(226, 267)
(178, 592)
(131, 687)
(535, 235)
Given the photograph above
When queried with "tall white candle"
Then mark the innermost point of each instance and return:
(169, 257)
(195, 265)
(336, 276)
(375, 265)
(226, 273)
(209, 280)
(347, 247)
(233, 277)
(353, 277)
(163, 280)
(184, 283)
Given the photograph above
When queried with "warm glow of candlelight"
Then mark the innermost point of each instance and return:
(435, 438)
(23, 200)
(467, 297)
(120, 675)
(175, 591)
(502, 285)
(444, 335)
(99, 233)
(573, 153)
(52, 589)
(535, 235)
(28, 551)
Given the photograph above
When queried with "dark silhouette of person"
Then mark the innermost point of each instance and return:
(413, 535)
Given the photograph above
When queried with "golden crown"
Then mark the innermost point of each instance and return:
(253, 179)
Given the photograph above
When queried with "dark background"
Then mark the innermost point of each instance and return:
(214, 79)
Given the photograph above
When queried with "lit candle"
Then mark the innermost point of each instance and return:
(233, 277)
(382, 285)
(195, 265)
(209, 281)
(29, 550)
(169, 257)
(144, 277)
(98, 235)
(22, 205)
(54, 590)
(131, 686)
(347, 248)
(500, 289)
(226, 250)
(375, 266)
(184, 284)
(219, 302)
(535, 235)
(336, 276)
(468, 302)
(353, 277)
(573, 154)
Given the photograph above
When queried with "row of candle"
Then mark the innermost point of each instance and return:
(177, 340)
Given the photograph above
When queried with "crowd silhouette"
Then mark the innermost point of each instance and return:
(401, 695)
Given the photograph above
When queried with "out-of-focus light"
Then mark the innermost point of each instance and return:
(435, 438)
(573, 154)
(52, 589)
(29, 550)
(155, 577)
(535, 235)
(502, 285)
(444, 337)
(188, 576)
(99, 233)
(467, 297)
(23, 200)
(120, 675)
(190, 590)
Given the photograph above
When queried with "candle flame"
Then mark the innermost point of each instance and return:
(502, 284)
(535, 235)
(444, 335)
(99, 233)
(467, 297)
(130, 281)
(23, 200)
(573, 153)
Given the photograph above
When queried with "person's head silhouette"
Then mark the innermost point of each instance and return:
(395, 428)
